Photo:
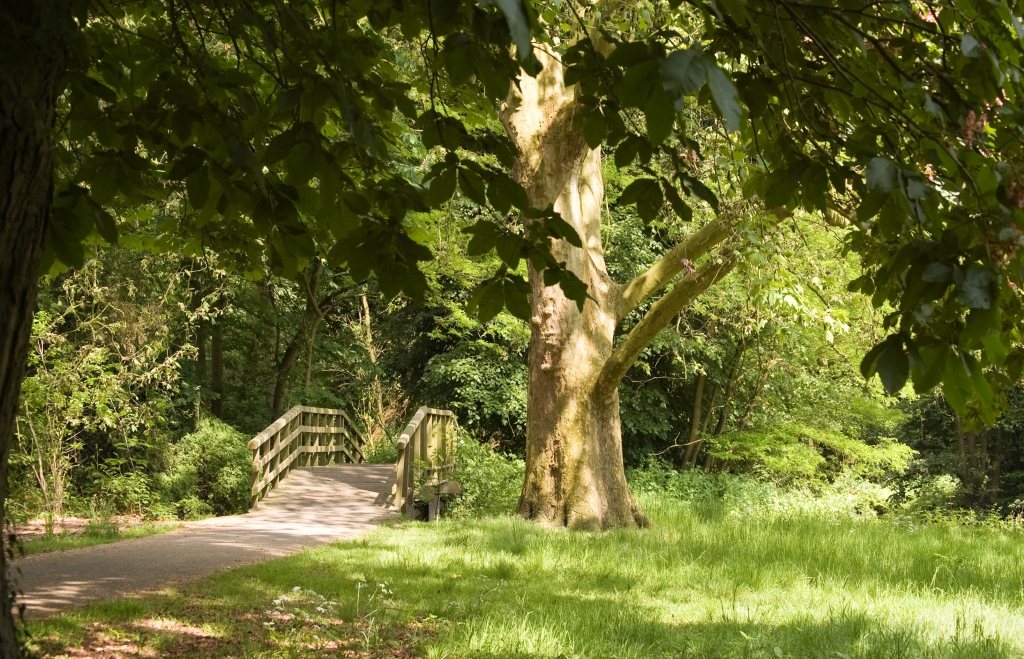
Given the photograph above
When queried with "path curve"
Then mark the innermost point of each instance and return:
(312, 506)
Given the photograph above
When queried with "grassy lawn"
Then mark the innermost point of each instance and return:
(702, 583)
(99, 536)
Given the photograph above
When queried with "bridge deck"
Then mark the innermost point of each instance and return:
(314, 505)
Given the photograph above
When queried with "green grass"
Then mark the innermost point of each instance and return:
(702, 583)
(99, 535)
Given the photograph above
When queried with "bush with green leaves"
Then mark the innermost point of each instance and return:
(794, 452)
(210, 471)
(744, 495)
(491, 481)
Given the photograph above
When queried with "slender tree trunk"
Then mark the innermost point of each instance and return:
(961, 448)
(217, 368)
(574, 464)
(33, 52)
(715, 390)
(730, 388)
(752, 401)
(693, 444)
(309, 355)
(372, 352)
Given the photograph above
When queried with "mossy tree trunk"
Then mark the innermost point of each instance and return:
(574, 465)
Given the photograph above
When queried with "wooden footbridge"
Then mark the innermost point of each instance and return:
(313, 436)
(310, 485)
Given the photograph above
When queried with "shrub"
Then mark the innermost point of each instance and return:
(939, 493)
(380, 450)
(491, 481)
(794, 452)
(746, 496)
(210, 471)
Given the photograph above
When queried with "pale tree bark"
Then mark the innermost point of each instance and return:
(574, 465)
(33, 57)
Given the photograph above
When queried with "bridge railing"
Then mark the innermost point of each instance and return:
(425, 461)
(304, 436)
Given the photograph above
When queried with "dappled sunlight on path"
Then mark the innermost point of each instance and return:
(312, 506)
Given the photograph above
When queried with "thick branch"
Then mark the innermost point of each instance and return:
(661, 273)
(658, 317)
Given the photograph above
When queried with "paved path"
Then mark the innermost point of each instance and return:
(311, 506)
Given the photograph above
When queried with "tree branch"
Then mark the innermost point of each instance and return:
(659, 316)
(661, 273)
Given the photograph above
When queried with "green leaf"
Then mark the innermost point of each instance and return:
(628, 150)
(517, 297)
(868, 365)
(504, 193)
(519, 26)
(682, 73)
(929, 366)
(573, 288)
(660, 114)
(559, 228)
(629, 53)
(472, 186)
(198, 187)
(727, 99)
(683, 211)
(279, 147)
(893, 366)
(106, 226)
(509, 248)
(594, 129)
(442, 186)
(976, 289)
(485, 235)
(699, 190)
(637, 83)
(815, 186)
(880, 174)
(646, 194)
(190, 161)
(937, 273)
(488, 300)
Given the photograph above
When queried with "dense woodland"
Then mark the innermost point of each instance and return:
(138, 356)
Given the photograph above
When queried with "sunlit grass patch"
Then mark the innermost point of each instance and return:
(91, 537)
(701, 583)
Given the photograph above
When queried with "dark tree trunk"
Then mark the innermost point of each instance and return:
(217, 369)
(752, 402)
(202, 373)
(693, 444)
(284, 367)
(730, 389)
(33, 52)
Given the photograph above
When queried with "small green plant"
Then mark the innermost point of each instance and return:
(380, 450)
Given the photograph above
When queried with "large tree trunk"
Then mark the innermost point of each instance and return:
(574, 465)
(32, 60)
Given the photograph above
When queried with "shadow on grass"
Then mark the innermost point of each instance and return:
(506, 588)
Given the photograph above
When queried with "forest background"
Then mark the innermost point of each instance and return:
(150, 370)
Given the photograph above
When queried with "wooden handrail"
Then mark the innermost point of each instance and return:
(425, 454)
(304, 435)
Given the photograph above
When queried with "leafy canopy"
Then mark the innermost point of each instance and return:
(275, 132)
